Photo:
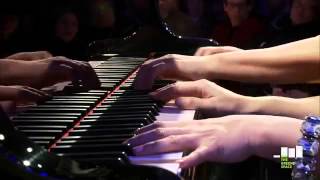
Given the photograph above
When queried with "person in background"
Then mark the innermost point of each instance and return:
(242, 28)
(64, 40)
(302, 23)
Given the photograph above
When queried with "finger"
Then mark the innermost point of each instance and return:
(43, 54)
(192, 103)
(43, 93)
(200, 51)
(169, 144)
(90, 78)
(60, 73)
(159, 124)
(63, 69)
(82, 71)
(148, 73)
(29, 56)
(31, 95)
(179, 89)
(204, 51)
(160, 68)
(196, 157)
(154, 135)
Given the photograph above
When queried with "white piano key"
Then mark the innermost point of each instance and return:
(166, 160)
(173, 167)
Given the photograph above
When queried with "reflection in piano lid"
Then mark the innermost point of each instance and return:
(148, 33)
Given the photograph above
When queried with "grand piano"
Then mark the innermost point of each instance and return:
(78, 134)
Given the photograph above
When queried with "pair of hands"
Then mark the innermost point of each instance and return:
(35, 70)
(227, 139)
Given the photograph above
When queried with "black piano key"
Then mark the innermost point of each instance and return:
(114, 161)
(87, 148)
(42, 110)
(47, 132)
(71, 102)
(110, 125)
(115, 66)
(146, 113)
(89, 156)
(50, 127)
(90, 93)
(116, 119)
(105, 131)
(52, 115)
(76, 97)
(53, 122)
(92, 141)
(153, 111)
(42, 143)
(63, 106)
(97, 137)
(108, 85)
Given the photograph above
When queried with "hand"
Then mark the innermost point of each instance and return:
(212, 100)
(47, 72)
(228, 139)
(173, 67)
(22, 94)
(209, 50)
(30, 56)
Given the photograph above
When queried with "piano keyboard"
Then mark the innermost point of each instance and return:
(90, 126)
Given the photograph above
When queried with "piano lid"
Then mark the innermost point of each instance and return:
(151, 34)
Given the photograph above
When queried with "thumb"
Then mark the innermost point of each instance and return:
(196, 157)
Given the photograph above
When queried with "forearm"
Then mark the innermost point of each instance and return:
(282, 106)
(273, 133)
(6, 71)
(10, 73)
(290, 63)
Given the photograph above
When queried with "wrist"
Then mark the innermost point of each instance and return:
(193, 69)
(273, 133)
(272, 105)
(211, 67)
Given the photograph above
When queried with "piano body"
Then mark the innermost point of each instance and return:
(84, 129)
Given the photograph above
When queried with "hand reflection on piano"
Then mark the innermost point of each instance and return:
(46, 72)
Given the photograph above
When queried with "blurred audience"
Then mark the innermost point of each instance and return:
(242, 27)
(178, 21)
(64, 39)
(230, 22)
(101, 20)
(302, 22)
(9, 26)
